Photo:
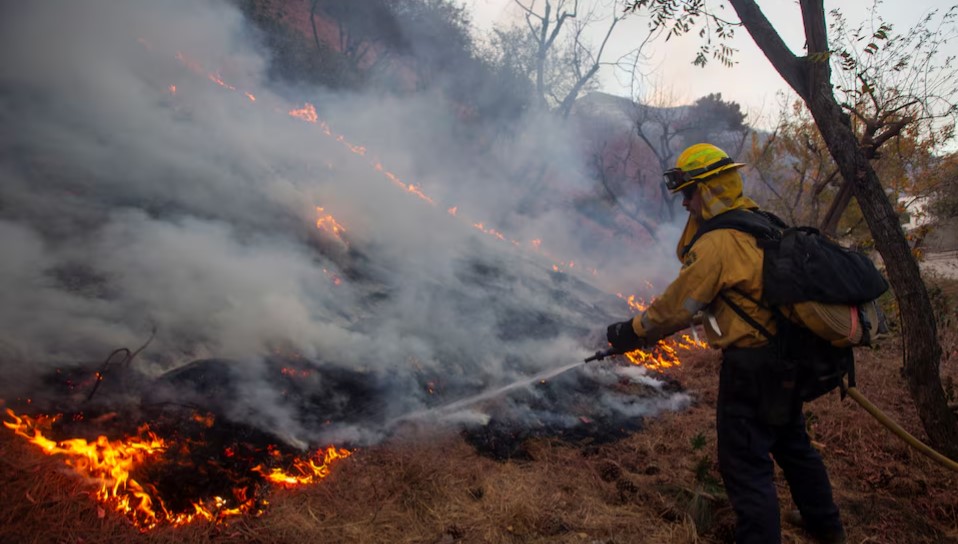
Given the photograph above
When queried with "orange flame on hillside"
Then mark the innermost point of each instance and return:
(665, 353)
(112, 463)
(638, 305)
(491, 232)
(401, 184)
(308, 113)
(215, 78)
(328, 223)
(305, 471)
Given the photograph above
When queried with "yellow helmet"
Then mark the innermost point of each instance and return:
(696, 163)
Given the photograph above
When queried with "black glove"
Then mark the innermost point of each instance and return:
(623, 338)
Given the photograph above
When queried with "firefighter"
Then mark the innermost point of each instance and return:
(757, 419)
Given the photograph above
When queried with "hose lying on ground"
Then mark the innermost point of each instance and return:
(898, 430)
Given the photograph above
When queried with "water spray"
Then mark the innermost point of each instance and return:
(453, 407)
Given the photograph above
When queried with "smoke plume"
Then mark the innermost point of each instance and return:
(153, 179)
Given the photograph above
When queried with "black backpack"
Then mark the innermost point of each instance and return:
(799, 265)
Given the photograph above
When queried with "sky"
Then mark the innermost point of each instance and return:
(752, 82)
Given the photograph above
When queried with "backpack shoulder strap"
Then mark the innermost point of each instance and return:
(763, 225)
(747, 318)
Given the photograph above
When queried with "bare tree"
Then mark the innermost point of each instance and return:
(666, 128)
(620, 162)
(564, 62)
(794, 166)
(366, 30)
(656, 120)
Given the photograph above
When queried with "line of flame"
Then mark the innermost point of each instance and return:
(308, 113)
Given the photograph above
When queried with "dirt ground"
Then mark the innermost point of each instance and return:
(658, 485)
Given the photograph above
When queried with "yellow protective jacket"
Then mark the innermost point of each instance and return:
(722, 260)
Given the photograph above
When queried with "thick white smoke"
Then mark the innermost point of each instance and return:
(136, 192)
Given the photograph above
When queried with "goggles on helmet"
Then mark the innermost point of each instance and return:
(675, 178)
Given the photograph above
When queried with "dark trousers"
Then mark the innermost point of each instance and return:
(747, 443)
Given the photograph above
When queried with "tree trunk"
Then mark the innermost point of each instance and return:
(811, 78)
(919, 331)
(841, 201)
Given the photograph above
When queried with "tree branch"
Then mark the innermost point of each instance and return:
(767, 39)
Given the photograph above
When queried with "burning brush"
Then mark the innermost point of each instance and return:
(189, 463)
(175, 473)
(184, 466)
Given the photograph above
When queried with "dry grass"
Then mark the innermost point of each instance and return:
(423, 487)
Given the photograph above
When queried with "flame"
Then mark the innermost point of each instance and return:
(215, 78)
(306, 113)
(111, 463)
(207, 420)
(690, 343)
(491, 232)
(665, 353)
(108, 461)
(418, 192)
(357, 149)
(295, 372)
(402, 185)
(637, 305)
(328, 223)
(305, 471)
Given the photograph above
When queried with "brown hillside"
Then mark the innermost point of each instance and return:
(654, 486)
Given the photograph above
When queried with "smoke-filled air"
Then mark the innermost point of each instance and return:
(161, 188)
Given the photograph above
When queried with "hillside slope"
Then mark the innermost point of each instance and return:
(658, 485)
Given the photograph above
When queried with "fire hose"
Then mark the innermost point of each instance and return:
(899, 431)
(873, 410)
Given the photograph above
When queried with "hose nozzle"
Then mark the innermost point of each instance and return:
(599, 355)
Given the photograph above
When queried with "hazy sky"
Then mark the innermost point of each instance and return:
(752, 82)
